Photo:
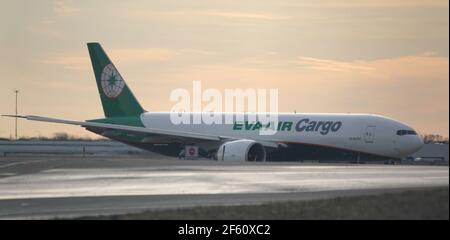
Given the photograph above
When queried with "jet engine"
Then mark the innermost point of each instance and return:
(241, 150)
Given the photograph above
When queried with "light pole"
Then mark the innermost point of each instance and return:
(17, 92)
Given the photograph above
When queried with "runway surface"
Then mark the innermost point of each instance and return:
(68, 186)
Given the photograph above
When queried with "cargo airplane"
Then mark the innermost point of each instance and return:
(299, 135)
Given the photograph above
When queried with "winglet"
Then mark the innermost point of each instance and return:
(15, 116)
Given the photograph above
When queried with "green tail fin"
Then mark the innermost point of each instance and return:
(117, 98)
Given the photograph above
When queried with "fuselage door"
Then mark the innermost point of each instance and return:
(369, 135)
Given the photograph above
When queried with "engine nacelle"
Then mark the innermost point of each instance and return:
(241, 150)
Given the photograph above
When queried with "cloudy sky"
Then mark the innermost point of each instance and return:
(385, 57)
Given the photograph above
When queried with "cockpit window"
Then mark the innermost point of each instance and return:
(406, 132)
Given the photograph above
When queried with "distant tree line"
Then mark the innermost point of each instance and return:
(434, 138)
(62, 136)
(59, 136)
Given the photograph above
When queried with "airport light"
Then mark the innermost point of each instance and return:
(17, 93)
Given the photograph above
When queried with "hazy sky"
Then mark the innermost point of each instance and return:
(385, 57)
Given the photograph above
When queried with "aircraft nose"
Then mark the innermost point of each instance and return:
(416, 143)
(410, 144)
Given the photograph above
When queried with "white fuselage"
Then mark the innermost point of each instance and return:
(365, 133)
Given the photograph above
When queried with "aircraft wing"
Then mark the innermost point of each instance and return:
(121, 127)
(107, 126)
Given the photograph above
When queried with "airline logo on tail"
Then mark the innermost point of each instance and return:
(112, 82)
